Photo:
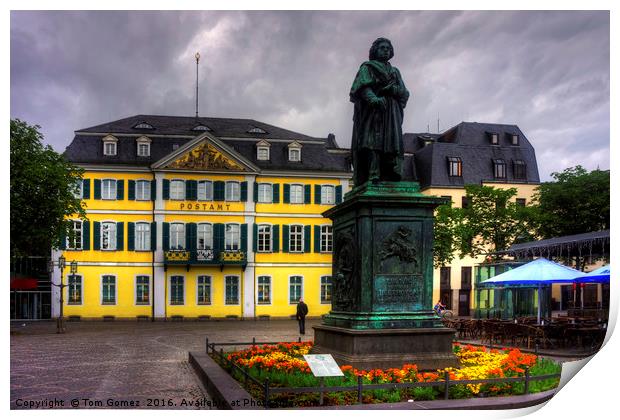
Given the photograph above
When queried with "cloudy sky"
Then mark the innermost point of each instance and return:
(547, 72)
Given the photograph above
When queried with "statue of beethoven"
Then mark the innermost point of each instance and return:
(380, 96)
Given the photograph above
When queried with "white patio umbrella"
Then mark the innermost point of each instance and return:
(540, 272)
(600, 275)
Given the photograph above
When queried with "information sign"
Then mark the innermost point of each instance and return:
(323, 365)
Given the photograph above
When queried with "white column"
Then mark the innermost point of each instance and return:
(249, 280)
(159, 277)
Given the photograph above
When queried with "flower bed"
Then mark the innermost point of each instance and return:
(284, 366)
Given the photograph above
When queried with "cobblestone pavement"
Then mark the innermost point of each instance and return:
(124, 360)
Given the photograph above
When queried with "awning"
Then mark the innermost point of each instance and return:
(23, 283)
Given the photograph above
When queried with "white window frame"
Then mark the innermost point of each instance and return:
(494, 139)
(329, 238)
(296, 234)
(497, 163)
(78, 189)
(325, 197)
(147, 236)
(270, 288)
(175, 193)
(269, 241)
(207, 190)
(74, 237)
(170, 289)
(115, 290)
(266, 150)
(68, 292)
(266, 195)
(231, 193)
(141, 192)
(331, 284)
(148, 277)
(514, 139)
(143, 141)
(112, 245)
(301, 194)
(289, 289)
(238, 290)
(111, 190)
(291, 152)
(110, 148)
(210, 281)
(208, 243)
(179, 243)
(229, 241)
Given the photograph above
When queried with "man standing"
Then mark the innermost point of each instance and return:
(302, 311)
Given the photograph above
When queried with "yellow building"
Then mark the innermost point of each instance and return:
(212, 217)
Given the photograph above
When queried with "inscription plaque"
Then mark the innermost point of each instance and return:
(398, 292)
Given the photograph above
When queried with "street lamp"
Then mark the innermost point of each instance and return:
(60, 327)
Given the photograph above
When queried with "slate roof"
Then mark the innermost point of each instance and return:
(425, 160)
(471, 143)
(87, 148)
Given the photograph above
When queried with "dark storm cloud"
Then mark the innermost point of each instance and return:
(547, 72)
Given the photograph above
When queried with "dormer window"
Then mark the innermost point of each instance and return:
(262, 150)
(143, 145)
(493, 138)
(256, 130)
(520, 169)
(499, 168)
(109, 145)
(455, 166)
(514, 139)
(143, 126)
(294, 152)
(201, 127)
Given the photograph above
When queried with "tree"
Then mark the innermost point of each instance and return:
(43, 192)
(575, 202)
(491, 222)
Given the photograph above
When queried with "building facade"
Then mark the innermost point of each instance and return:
(214, 218)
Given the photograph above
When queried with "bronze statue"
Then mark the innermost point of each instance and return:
(380, 96)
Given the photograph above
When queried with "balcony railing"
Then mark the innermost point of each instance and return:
(205, 257)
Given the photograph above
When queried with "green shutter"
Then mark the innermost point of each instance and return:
(131, 190)
(317, 238)
(131, 236)
(338, 194)
(255, 238)
(63, 236)
(96, 235)
(256, 192)
(276, 193)
(153, 190)
(85, 235)
(275, 238)
(244, 191)
(285, 238)
(317, 194)
(191, 190)
(120, 189)
(166, 190)
(153, 236)
(165, 236)
(219, 188)
(97, 194)
(86, 189)
(307, 234)
(287, 193)
(120, 236)
(244, 237)
(190, 236)
(307, 193)
(218, 236)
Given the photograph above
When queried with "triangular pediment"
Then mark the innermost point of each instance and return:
(206, 153)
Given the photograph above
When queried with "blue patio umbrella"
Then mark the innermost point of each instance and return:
(540, 272)
(600, 275)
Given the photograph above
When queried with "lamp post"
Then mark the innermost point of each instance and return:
(62, 261)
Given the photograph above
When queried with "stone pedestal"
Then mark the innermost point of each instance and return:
(383, 281)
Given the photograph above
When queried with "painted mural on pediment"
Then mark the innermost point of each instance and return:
(205, 157)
